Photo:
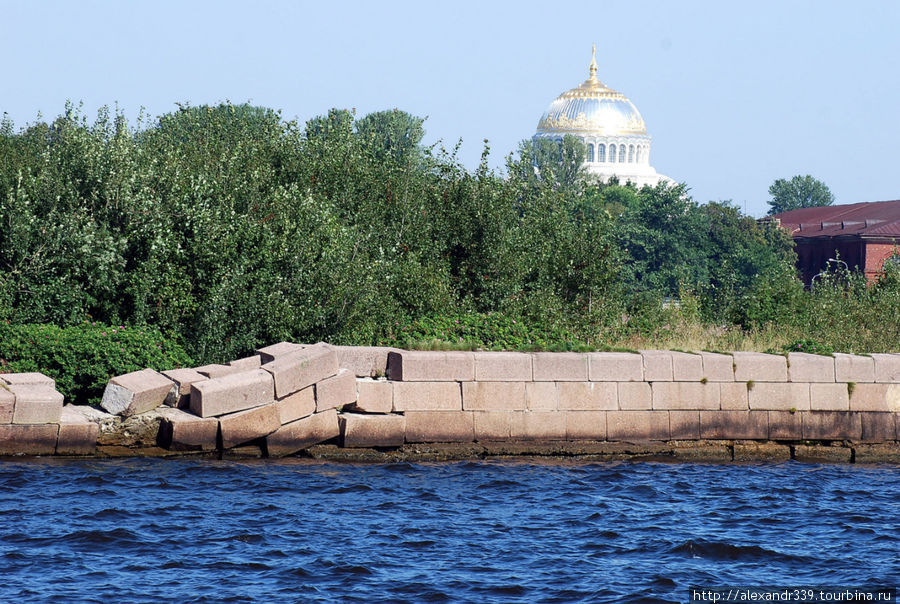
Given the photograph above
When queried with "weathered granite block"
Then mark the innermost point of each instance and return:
(804, 367)
(537, 425)
(784, 425)
(364, 361)
(427, 396)
(428, 366)
(216, 370)
(303, 433)
(734, 396)
(440, 426)
(887, 368)
(272, 352)
(135, 392)
(832, 425)
(759, 367)
(297, 405)
(180, 394)
(32, 377)
(77, 434)
(541, 396)
(246, 364)
(823, 454)
(7, 405)
(875, 397)
(754, 451)
(687, 367)
(588, 396)
(36, 404)
(336, 391)
(244, 426)
(684, 425)
(231, 393)
(878, 427)
(491, 425)
(828, 397)
(374, 396)
(685, 395)
(35, 439)
(727, 425)
(658, 365)
(560, 367)
(302, 368)
(372, 430)
(777, 396)
(616, 367)
(493, 396)
(718, 367)
(637, 426)
(182, 431)
(635, 396)
(853, 368)
(502, 367)
(585, 425)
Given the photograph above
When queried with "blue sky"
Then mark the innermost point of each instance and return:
(734, 94)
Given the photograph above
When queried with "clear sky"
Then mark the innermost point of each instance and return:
(735, 94)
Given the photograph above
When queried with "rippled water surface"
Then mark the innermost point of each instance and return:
(301, 531)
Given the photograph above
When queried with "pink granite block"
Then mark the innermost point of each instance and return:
(717, 367)
(296, 406)
(616, 367)
(77, 434)
(588, 396)
(270, 353)
(440, 426)
(853, 368)
(246, 364)
(7, 405)
(374, 396)
(759, 367)
(784, 425)
(135, 392)
(887, 368)
(336, 391)
(244, 426)
(832, 425)
(878, 427)
(829, 397)
(364, 361)
(502, 367)
(637, 426)
(32, 377)
(34, 439)
(302, 368)
(541, 396)
(635, 396)
(231, 393)
(734, 396)
(684, 425)
(727, 425)
(687, 367)
(180, 394)
(427, 396)
(303, 433)
(774, 396)
(182, 431)
(585, 425)
(493, 396)
(491, 425)
(372, 430)
(685, 395)
(537, 425)
(560, 367)
(431, 366)
(36, 404)
(803, 367)
(658, 365)
(875, 397)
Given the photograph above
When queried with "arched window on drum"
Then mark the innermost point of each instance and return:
(601, 153)
(630, 154)
(621, 154)
(638, 157)
(612, 153)
(590, 153)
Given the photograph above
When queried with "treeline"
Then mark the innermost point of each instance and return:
(227, 228)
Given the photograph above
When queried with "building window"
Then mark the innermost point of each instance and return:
(601, 153)
(621, 154)
(630, 154)
(591, 154)
(638, 158)
(612, 153)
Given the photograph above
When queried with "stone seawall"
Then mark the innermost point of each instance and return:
(361, 403)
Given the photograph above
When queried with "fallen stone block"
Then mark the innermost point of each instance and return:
(776, 396)
(784, 425)
(585, 425)
(658, 365)
(832, 425)
(7, 405)
(246, 364)
(759, 367)
(587, 396)
(635, 396)
(805, 367)
(729, 425)
(36, 404)
(34, 439)
(181, 431)
(853, 368)
(878, 427)
(637, 426)
(428, 366)
(734, 396)
(440, 426)
(244, 426)
(491, 425)
(179, 395)
(336, 391)
(687, 367)
(270, 353)
(560, 367)
(684, 425)
(502, 367)
(887, 368)
(717, 367)
(364, 361)
(231, 393)
(427, 396)
(828, 397)
(537, 425)
(541, 396)
(616, 367)
(297, 405)
(302, 368)
(136, 392)
(32, 377)
(374, 396)
(77, 434)
(359, 430)
(216, 370)
(303, 433)
(685, 395)
(493, 396)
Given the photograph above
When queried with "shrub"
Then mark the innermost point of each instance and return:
(83, 358)
(810, 346)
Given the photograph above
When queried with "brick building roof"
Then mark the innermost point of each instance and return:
(868, 220)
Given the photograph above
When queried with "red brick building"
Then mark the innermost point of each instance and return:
(863, 235)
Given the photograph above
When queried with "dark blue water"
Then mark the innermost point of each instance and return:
(300, 531)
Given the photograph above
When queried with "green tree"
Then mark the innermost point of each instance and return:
(798, 192)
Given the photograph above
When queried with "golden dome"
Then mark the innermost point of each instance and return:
(593, 109)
